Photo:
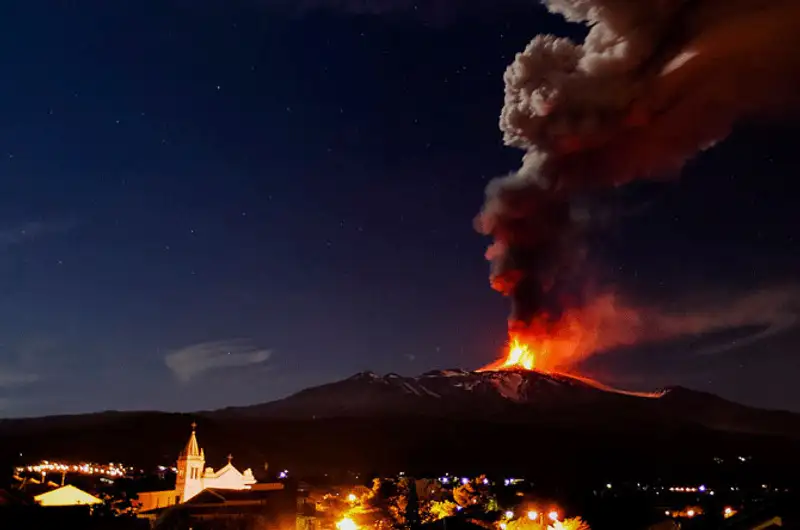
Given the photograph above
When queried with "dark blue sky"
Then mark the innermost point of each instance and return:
(214, 203)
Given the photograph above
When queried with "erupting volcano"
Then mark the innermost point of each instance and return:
(534, 357)
(547, 348)
(650, 86)
(520, 355)
(557, 346)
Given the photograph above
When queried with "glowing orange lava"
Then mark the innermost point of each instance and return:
(520, 355)
(544, 347)
(548, 344)
(557, 347)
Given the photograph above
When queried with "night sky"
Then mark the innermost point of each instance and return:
(214, 203)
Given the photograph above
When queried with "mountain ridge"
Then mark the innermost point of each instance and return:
(431, 423)
(514, 395)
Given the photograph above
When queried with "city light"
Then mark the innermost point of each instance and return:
(553, 515)
(532, 515)
(352, 497)
(346, 524)
(109, 470)
(690, 513)
(509, 514)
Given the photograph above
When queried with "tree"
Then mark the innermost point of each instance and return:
(575, 523)
(412, 520)
(439, 510)
(384, 504)
(473, 494)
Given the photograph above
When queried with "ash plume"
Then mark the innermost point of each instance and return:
(616, 322)
(653, 83)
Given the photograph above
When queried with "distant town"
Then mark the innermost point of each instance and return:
(191, 493)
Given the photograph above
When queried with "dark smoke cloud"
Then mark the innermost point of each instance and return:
(654, 82)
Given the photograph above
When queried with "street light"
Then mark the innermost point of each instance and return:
(346, 524)
(509, 514)
(553, 515)
(532, 515)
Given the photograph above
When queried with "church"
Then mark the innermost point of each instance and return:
(193, 477)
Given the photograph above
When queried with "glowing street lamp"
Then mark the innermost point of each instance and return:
(553, 515)
(346, 524)
(509, 514)
(532, 515)
(351, 498)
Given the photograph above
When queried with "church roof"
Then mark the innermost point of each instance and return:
(192, 447)
(221, 496)
(67, 495)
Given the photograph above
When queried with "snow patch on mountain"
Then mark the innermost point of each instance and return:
(430, 392)
(509, 386)
(411, 389)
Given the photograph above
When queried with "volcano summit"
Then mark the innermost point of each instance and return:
(516, 395)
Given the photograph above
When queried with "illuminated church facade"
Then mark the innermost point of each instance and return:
(193, 477)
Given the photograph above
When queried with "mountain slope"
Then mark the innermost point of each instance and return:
(451, 420)
(515, 396)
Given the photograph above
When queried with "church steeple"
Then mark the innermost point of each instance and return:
(192, 447)
(191, 462)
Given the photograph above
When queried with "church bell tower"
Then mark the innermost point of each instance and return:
(191, 462)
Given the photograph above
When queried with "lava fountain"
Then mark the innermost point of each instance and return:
(547, 346)
(557, 347)
(519, 355)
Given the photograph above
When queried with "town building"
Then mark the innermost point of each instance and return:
(68, 495)
(193, 477)
(265, 506)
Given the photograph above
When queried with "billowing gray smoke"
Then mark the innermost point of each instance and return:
(654, 82)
